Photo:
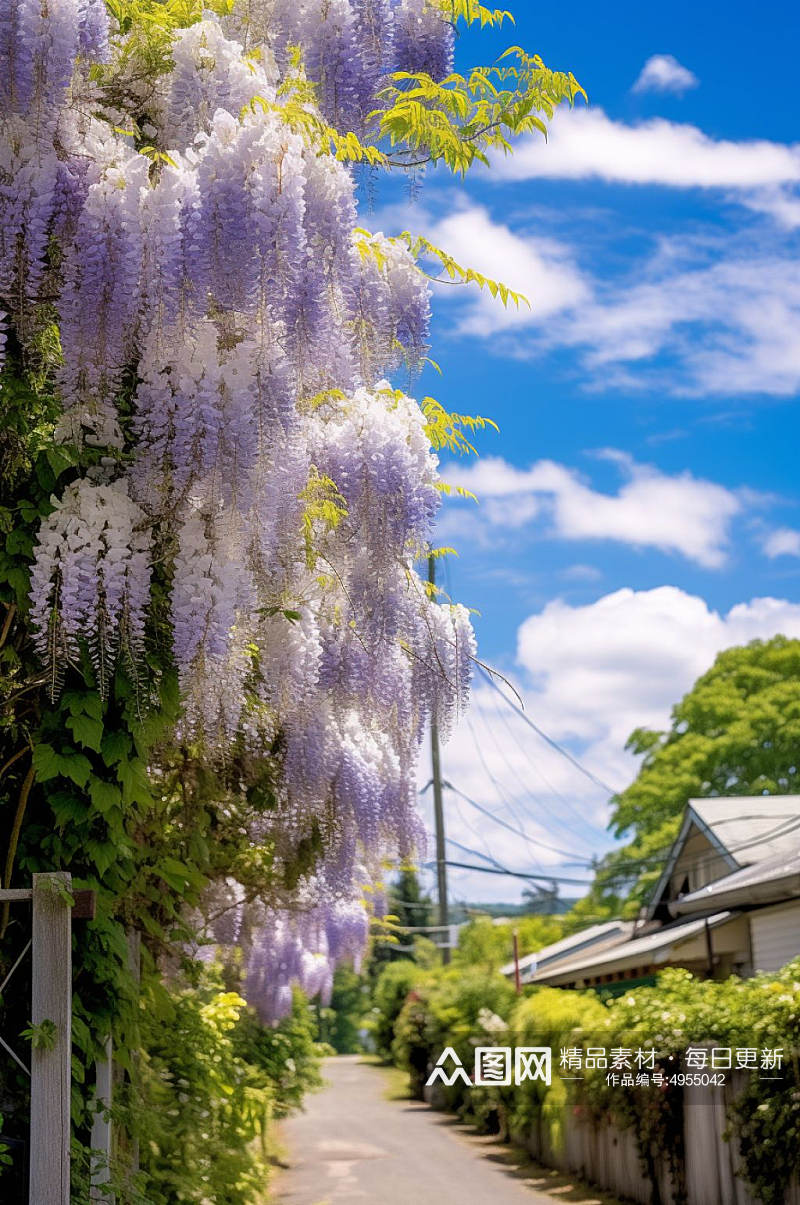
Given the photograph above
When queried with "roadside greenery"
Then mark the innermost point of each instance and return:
(465, 1008)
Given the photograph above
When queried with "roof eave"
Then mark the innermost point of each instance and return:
(773, 891)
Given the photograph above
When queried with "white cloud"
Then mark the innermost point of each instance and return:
(724, 315)
(540, 268)
(730, 328)
(622, 662)
(663, 73)
(781, 204)
(680, 513)
(784, 541)
(581, 573)
(587, 144)
(591, 675)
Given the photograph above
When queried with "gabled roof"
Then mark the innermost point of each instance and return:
(595, 937)
(766, 882)
(653, 948)
(751, 827)
(743, 829)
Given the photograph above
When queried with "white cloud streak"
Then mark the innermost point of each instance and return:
(540, 268)
(663, 73)
(726, 317)
(677, 514)
(784, 541)
(587, 144)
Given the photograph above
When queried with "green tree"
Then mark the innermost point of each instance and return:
(737, 732)
(339, 1024)
(396, 981)
(408, 902)
(487, 944)
(407, 908)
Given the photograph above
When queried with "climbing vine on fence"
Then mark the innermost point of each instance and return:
(464, 1009)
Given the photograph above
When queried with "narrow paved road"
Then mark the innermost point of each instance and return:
(354, 1145)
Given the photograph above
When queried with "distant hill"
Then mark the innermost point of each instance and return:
(550, 907)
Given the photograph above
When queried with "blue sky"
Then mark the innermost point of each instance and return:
(639, 508)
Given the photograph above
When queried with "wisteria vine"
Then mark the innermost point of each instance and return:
(225, 336)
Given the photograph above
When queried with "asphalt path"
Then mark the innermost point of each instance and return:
(354, 1144)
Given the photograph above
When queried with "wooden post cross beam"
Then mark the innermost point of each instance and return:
(55, 906)
(51, 1060)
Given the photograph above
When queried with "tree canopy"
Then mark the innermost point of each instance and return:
(736, 732)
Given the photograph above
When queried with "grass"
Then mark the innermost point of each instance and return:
(396, 1080)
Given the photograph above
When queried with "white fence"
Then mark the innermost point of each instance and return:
(609, 1158)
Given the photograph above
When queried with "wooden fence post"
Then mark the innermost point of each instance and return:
(101, 1126)
(51, 1069)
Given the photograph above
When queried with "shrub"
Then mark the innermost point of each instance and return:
(392, 988)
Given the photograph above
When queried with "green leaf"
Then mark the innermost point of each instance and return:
(87, 731)
(77, 767)
(114, 747)
(45, 762)
(102, 854)
(86, 702)
(42, 1036)
(104, 795)
(61, 457)
(135, 783)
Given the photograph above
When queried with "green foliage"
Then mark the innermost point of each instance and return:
(489, 945)
(458, 1007)
(42, 1036)
(469, 11)
(287, 1054)
(341, 1022)
(460, 119)
(735, 733)
(199, 1104)
(680, 1011)
(445, 429)
(422, 249)
(394, 984)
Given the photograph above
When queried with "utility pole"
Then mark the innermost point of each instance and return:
(517, 985)
(438, 812)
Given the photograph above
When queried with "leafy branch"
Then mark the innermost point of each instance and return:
(459, 120)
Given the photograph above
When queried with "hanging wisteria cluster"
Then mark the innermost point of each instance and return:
(226, 332)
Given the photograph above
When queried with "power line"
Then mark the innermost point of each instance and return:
(598, 782)
(502, 792)
(518, 831)
(516, 874)
(499, 868)
(523, 747)
(475, 852)
(476, 832)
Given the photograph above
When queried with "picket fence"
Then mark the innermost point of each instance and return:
(609, 1158)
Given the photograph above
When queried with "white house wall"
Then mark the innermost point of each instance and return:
(775, 936)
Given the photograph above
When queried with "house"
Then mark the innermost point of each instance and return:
(727, 902)
(769, 892)
(595, 938)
